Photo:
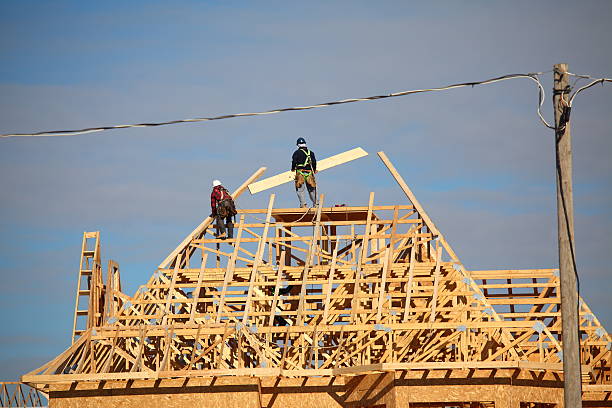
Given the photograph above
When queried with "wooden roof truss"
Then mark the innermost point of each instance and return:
(326, 291)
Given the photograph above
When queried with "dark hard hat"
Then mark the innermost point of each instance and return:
(300, 141)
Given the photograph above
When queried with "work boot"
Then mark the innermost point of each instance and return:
(304, 205)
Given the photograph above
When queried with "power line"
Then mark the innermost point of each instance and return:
(533, 76)
(593, 83)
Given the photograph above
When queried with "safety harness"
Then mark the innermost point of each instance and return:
(300, 168)
(225, 205)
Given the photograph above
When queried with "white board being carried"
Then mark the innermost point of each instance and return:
(324, 164)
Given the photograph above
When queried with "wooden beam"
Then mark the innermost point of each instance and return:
(204, 224)
(398, 178)
(330, 284)
(565, 227)
(356, 303)
(324, 164)
(409, 284)
(381, 287)
(309, 260)
(196, 291)
(279, 276)
(434, 298)
(260, 250)
(229, 271)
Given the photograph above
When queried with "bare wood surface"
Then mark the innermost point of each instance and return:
(204, 224)
(284, 304)
(565, 222)
(322, 164)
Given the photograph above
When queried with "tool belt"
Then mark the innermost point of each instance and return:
(304, 176)
(226, 208)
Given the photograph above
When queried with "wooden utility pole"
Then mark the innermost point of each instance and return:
(565, 223)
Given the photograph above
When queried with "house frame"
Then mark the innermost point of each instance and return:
(364, 306)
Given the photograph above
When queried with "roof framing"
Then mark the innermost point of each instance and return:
(326, 291)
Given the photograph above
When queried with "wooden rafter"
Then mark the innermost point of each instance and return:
(325, 291)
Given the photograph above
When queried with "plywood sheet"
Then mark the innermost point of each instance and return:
(324, 164)
(202, 393)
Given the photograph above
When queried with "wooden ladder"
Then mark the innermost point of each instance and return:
(89, 286)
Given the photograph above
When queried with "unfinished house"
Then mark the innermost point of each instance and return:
(363, 306)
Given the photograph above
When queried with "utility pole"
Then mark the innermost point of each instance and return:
(565, 223)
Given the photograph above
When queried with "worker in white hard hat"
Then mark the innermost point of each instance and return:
(223, 209)
(304, 163)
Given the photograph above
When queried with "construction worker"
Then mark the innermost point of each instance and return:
(223, 210)
(304, 163)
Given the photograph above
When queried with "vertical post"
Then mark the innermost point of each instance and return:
(565, 224)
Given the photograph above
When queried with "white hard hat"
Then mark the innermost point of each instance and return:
(216, 183)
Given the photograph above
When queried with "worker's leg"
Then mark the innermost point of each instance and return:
(300, 189)
(220, 227)
(301, 193)
(311, 183)
(230, 227)
(312, 192)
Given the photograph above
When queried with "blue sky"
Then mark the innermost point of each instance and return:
(477, 159)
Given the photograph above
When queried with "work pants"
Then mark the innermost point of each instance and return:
(306, 183)
(223, 223)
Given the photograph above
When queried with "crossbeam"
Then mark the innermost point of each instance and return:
(324, 164)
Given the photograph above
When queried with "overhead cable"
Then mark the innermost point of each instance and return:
(590, 84)
(533, 76)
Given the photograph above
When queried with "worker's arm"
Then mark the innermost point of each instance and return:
(294, 160)
(313, 159)
(213, 203)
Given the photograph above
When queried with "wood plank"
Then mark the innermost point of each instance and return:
(356, 303)
(204, 224)
(330, 284)
(381, 287)
(309, 260)
(275, 372)
(171, 290)
(196, 290)
(409, 285)
(398, 178)
(409, 193)
(323, 164)
(279, 275)
(156, 331)
(434, 299)
(260, 251)
(229, 272)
